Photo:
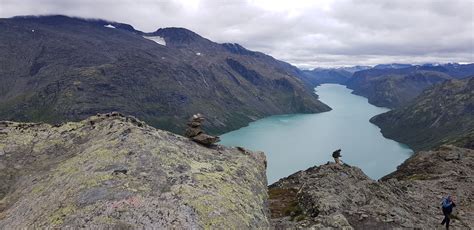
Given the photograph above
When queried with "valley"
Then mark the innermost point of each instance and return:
(298, 141)
(104, 125)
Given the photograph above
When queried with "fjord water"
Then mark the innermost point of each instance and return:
(298, 141)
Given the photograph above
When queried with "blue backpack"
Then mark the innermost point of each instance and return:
(446, 203)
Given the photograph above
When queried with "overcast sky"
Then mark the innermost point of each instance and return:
(305, 33)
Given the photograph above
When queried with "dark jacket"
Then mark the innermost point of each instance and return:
(336, 154)
(448, 209)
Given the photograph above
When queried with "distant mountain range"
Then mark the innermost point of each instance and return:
(394, 87)
(443, 114)
(433, 103)
(392, 66)
(57, 68)
(320, 76)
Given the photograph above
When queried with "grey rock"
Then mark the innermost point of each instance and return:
(408, 198)
(192, 132)
(206, 139)
(51, 181)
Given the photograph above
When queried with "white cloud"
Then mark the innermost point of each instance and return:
(306, 33)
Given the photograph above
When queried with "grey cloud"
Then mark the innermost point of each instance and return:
(305, 33)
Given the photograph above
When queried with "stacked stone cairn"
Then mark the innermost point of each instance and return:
(195, 132)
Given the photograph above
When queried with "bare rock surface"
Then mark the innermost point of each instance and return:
(343, 197)
(111, 171)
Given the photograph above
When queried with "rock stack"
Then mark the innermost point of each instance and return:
(195, 132)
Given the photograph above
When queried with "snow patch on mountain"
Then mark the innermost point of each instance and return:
(156, 39)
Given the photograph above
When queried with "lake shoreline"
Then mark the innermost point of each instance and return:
(294, 142)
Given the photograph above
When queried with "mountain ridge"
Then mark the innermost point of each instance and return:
(394, 87)
(60, 69)
(442, 114)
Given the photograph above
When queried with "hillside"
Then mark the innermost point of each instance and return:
(443, 114)
(56, 69)
(116, 172)
(343, 197)
(395, 87)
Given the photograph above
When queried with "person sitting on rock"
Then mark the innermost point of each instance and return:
(337, 154)
(447, 206)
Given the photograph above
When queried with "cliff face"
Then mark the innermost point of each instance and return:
(111, 171)
(443, 114)
(344, 197)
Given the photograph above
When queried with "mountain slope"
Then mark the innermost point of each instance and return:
(393, 87)
(116, 172)
(342, 197)
(56, 69)
(441, 114)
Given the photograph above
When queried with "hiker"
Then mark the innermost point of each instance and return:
(336, 154)
(447, 206)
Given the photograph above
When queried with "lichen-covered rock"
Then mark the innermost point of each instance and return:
(111, 171)
(343, 197)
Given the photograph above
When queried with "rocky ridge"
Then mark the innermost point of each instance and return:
(112, 171)
(343, 197)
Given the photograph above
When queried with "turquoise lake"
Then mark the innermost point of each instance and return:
(298, 141)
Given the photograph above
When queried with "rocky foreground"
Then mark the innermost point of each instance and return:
(115, 172)
(343, 197)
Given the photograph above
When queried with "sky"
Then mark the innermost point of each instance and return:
(308, 34)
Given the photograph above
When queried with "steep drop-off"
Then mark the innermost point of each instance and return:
(56, 69)
(116, 172)
(443, 114)
(343, 197)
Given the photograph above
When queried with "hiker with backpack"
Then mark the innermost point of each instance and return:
(447, 206)
(336, 155)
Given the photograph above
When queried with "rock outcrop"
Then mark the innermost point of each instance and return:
(112, 171)
(343, 197)
(195, 132)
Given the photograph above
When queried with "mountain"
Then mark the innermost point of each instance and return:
(57, 69)
(115, 172)
(353, 69)
(319, 76)
(342, 197)
(392, 66)
(396, 87)
(443, 114)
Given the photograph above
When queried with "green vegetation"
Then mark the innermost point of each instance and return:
(443, 114)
